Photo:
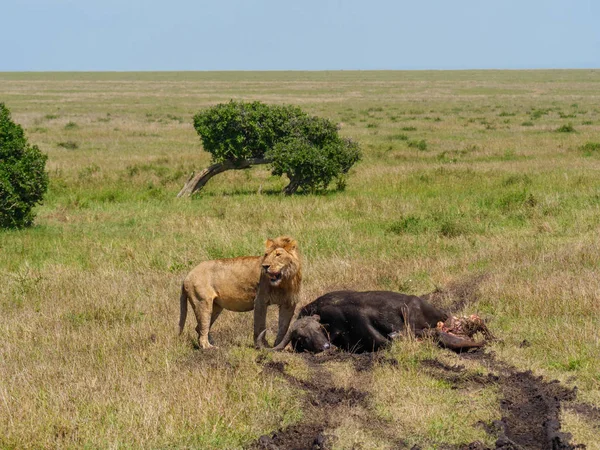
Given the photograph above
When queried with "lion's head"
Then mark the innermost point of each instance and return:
(281, 262)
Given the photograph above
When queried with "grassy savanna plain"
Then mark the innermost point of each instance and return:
(487, 175)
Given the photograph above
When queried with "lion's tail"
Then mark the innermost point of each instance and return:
(183, 302)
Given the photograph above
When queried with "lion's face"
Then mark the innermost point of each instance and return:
(281, 260)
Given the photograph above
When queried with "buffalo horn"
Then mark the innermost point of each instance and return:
(262, 341)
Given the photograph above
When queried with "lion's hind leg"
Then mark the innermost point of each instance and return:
(202, 304)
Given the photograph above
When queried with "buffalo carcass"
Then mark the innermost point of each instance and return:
(367, 321)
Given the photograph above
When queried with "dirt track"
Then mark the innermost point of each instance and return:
(530, 405)
(322, 402)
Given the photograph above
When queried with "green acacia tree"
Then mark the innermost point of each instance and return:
(306, 149)
(23, 178)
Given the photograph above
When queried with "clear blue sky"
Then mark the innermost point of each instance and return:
(66, 35)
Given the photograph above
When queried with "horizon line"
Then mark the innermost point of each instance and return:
(300, 70)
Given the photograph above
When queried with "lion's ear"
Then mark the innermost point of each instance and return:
(269, 243)
(316, 317)
(290, 245)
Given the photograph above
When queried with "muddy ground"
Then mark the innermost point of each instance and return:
(529, 404)
(324, 403)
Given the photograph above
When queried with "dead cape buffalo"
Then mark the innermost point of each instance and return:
(367, 321)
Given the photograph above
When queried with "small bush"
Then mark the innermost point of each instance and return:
(568, 128)
(527, 124)
(420, 145)
(23, 178)
(69, 145)
(590, 148)
(537, 113)
(397, 137)
(71, 126)
(448, 157)
(410, 225)
(517, 179)
(88, 171)
(38, 130)
(409, 129)
(562, 115)
(452, 228)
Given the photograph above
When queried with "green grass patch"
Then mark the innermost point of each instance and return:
(567, 128)
(419, 145)
(590, 148)
(397, 137)
(69, 145)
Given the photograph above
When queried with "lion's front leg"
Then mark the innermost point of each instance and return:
(260, 318)
(286, 312)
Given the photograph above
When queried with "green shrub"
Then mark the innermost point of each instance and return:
(69, 145)
(451, 228)
(307, 149)
(397, 137)
(23, 179)
(590, 148)
(537, 113)
(410, 225)
(568, 128)
(421, 145)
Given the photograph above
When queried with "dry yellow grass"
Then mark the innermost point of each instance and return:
(89, 297)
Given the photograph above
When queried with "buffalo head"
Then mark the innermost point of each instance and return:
(306, 335)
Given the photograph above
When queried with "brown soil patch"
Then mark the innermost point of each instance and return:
(362, 362)
(324, 403)
(456, 375)
(591, 413)
(320, 389)
(296, 437)
(530, 405)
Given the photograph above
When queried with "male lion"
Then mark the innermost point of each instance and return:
(242, 284)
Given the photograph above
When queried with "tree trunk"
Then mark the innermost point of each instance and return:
(292, 187)
(197, 181)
